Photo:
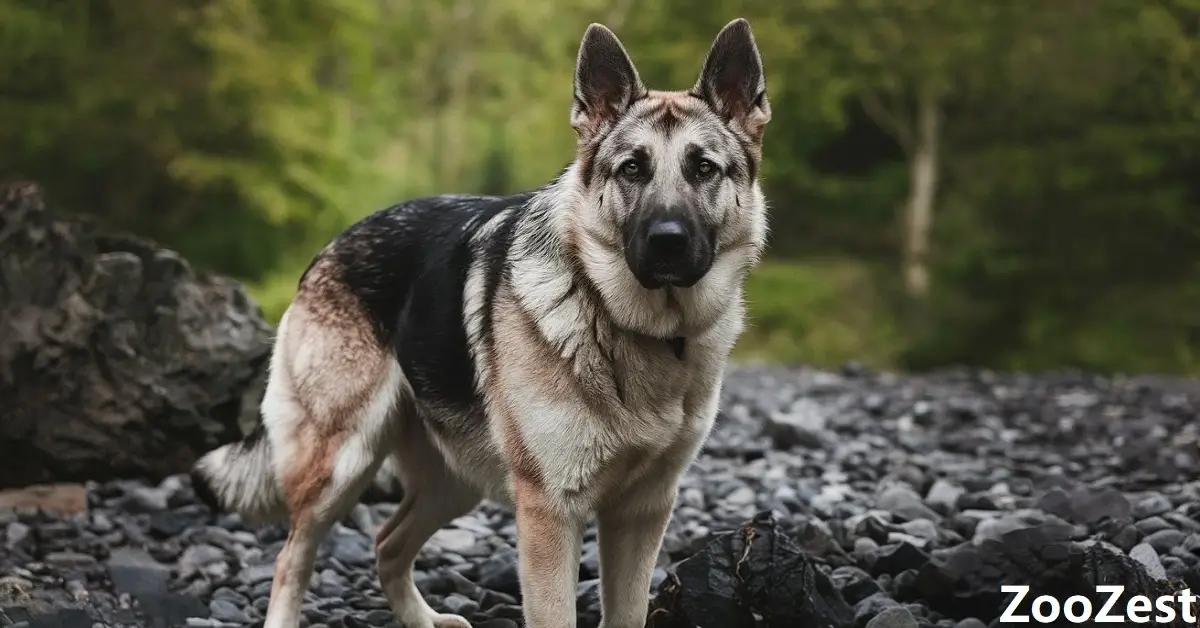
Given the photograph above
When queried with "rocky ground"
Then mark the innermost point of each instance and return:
(840, 499)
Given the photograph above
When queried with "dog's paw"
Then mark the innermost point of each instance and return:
(445, 620)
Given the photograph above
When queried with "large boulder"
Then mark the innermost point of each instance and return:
(117, 359)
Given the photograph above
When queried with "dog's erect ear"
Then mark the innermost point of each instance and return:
(733, 81)
(606, 82)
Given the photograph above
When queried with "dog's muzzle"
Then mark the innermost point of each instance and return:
(668, 248)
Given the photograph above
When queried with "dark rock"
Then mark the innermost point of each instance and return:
(895, 617)
(53, 618)
(1163, 540)
(874, 528)
(1151, 505)
(226, 610)
(167, 610)
(963, 582)
(499, 573)
(804, 425)
(496, 622)
(136, 572)
(755, 570)
(997, 528)
(872, 605)
(976, 501)
(1127, 538)
(587, 603)
(894, 559)
(142, 363)
(854, 584)
(1150, 525)
(814, 538)
(257, 574)
(589, 562)
(146, 499)
(866, 551)
(905, 502)
(381, 617)
(349, 546)
(1087, 506)
(168, 524)
(943, 496)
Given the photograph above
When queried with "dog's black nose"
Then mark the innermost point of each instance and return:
(667, 237)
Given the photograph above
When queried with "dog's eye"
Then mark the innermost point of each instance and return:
(631, 168)
(706, 169)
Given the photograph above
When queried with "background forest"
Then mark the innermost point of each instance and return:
(1005, 184)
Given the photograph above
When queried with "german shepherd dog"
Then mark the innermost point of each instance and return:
(560, 351)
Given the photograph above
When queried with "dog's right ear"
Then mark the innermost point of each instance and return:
(606, 82)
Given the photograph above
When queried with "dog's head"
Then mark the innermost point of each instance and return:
(670, 178)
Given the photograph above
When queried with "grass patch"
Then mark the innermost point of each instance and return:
(821, 313)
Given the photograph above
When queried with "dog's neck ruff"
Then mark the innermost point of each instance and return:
(677, 344)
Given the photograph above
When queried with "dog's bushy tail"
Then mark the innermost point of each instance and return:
(240, 477)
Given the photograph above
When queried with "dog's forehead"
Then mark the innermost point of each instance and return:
(680, 104)
(667, 122)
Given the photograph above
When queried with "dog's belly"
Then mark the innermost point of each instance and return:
(464, 440)
(582, 467)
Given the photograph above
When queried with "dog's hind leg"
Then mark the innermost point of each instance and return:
(330, 408)
(433, 496)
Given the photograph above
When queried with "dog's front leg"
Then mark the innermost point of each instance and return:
(548, 548)
(630, 535)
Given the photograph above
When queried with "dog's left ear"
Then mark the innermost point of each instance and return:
(733, 81)
(606, 82)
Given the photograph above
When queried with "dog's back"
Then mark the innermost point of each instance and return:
(408, 265)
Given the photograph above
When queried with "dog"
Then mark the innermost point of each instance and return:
(559, 351)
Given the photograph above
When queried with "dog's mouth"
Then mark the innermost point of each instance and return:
(656, 269)
(657, 274)
(657, 280)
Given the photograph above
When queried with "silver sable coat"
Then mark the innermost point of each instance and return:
(559, 351)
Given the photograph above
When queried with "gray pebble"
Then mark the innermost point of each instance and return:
(1151, 505)
(943, 496)
(454, 540)
(1163, 540)
(893, 617)
(1144, 553)
(903, 501)
(225, 610)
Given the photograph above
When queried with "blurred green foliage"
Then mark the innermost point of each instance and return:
(818, 312)
(1065, 212)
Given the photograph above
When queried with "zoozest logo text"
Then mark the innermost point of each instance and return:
(1077, 609)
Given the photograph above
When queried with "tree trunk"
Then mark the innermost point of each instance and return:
(922, 190)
